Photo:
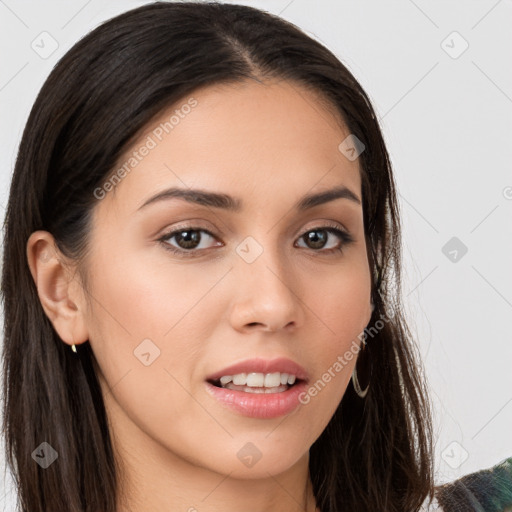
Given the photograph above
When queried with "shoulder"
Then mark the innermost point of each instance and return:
(483, 491)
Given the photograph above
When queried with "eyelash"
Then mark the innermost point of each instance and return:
(330, 228)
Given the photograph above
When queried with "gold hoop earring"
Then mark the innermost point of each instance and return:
(365, 369)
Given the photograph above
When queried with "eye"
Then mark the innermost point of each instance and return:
(317, 238)
(187, 238)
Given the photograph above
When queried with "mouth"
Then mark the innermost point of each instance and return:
(275, 382)
(259, 388)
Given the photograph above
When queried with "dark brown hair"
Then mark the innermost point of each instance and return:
(376, 452)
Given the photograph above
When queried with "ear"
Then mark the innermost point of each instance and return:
(60, 290)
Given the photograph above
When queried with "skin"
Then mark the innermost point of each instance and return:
(267, 144)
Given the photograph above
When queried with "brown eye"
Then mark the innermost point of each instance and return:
(186, 239)
(317, 238)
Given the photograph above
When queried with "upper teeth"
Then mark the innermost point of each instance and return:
(258, 380)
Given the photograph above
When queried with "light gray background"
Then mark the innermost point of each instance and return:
(447, 121)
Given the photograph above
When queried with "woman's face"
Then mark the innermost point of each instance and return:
(262, 283)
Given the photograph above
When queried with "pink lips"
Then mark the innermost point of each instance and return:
(260, 405)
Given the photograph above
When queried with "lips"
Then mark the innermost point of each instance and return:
(259, 403)
(260, 365)
(259, 406)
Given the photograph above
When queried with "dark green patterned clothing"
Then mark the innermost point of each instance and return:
(488, 490)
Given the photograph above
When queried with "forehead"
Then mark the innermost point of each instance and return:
(261, 141)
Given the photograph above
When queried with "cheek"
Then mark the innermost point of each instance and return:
(149, 326)
(141, 296)
(341, 303)
(150, 318)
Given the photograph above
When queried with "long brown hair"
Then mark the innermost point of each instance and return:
(376, 452)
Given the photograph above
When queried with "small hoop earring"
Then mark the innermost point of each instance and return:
(365, 369)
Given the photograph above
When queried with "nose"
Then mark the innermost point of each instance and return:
(267, 296)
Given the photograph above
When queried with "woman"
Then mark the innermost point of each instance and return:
(201, 279)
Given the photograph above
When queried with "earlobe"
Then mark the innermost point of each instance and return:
(60, 294)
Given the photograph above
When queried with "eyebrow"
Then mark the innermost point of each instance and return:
(226, 202)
